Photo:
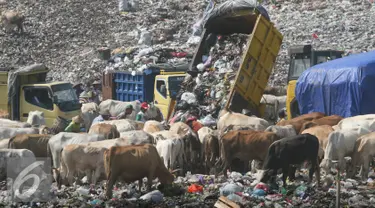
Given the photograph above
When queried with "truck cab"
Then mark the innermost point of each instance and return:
(167, 85)
(23, 91)
(53, 99)
(303, 57)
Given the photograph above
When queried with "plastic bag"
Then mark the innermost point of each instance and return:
(145, 38)
(208, 120)
(230, 189)
(195, 188)
(155, 196)
(189, 97)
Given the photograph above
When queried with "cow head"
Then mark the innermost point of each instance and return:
(265, 176)
(326, 164)
(167, 178)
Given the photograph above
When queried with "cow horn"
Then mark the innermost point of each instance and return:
(173, 171)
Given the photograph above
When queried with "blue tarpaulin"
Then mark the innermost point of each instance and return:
(344, 86)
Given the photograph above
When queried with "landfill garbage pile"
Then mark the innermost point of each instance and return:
(335, 25)
(195, 190)
(65, 35)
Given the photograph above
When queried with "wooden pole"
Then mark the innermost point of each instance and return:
(338, 187)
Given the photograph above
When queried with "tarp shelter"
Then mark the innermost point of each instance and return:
(343, 86)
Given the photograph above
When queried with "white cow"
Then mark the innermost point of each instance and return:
(57, 142)
(202, 134)
(116, 107)
(282, 131)
(6, 132)
(171, 150)
(123, 125)
(364, 151)
(136, 137)
(15, 124)
(81, 158)
(227, 118)
(36, 118)
(89, 112)
(341, 144)
(4, 143)
(365, 121)
(153, 126)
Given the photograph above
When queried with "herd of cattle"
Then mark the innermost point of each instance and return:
(129, 151)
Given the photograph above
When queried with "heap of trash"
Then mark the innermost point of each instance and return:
(196, 190)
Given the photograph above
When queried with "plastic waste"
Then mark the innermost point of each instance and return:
(230, 189)
(96, 202)
(200, 67)
(154, 196)
(145, 38)
(262, 186)
(194, 188)
(276, 205)
(259, 192)
(144, 52)
(355, 199)
(208, 120)
(83, 191)
(189, 97)
(300, 190)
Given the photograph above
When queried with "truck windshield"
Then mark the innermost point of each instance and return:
(65, 97)
(297, 66)
(174, 85)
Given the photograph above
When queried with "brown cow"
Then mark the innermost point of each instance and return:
(245, 145)
(133, 163)
(37, 143)
(327, 120)
(300, 120)
(108, 130)
(321, 132)
(211, 151)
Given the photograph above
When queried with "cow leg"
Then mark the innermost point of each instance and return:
(285, 174)
(292, 173)
(110, 182)
(88, 175)
(312, 169)
(317, 172)
(96, 175)
(366, 167)
(149, 181)
(140, 183)
(70, 176)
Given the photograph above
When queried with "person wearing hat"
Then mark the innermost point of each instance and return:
(97, 93)
(126, 113)
(78, 88)
(104, 115)
(141, 114)
(75, 125)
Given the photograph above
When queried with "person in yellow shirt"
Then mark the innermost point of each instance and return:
(75, 125)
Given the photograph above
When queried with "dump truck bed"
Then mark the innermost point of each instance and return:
(258, 59)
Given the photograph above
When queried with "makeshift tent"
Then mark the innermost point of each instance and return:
(343, 86)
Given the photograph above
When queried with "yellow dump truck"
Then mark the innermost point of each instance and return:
(301, 58)
(259, 57)
(25, 90)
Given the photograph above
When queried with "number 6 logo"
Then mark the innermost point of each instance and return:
(22, 177)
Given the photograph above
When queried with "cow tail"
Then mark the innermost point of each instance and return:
(10, 143)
